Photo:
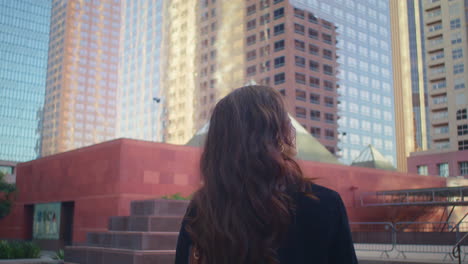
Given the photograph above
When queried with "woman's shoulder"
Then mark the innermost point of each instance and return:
(321, 192)
(319, 197)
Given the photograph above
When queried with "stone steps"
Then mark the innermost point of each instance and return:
(145, 223)
(97, 255)
(133, 240)
(148, 235)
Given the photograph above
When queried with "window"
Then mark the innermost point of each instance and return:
(435, 27)
(299, 29)
(280, 78)
(443, 169)
(301, 95)
(300, 112)
(313, 34)
(329, 101)
(327, 54)
(314, 82)
(279, 62)
(455, 23)
(300, 61)
(327, 69)
(278, 13)
(461, 114)
(265, 66)
(457, 53)
(264, 51)
(456, 38)
(458, 68)
(329, 85)
(329, 118)
(252, 70)
(422, 170)
(251, 24)
(462, 129)
(314, 65)
(441, 130)
(300, 78)
(312, 18)
(435, 55)
(264, 4)
(439, 84)
(299, 45)
(463, 145)
(327, 38)
(251, 55)
(315, 115)
(313, 49)
(314, 98)
(329, 134)
(315, 131)
(279, 45)
(251, 40)
(440, 99)
(277, 1)
(251, 9)
(463, 167)
(279, 29)
(299, 13)
(265, 34)
(265, 19)
(459, 83)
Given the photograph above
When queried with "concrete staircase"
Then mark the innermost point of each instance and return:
(148, 235)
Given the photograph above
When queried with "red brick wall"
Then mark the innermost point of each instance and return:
(103, 179)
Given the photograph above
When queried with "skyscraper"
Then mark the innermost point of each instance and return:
(239, 42)
(140, 102)
(410, 81)
(365, 73)
(445, 24)
(294, 51)
(24, 38)
(81, 89)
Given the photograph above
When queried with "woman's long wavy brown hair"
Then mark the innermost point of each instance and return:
(244, 208)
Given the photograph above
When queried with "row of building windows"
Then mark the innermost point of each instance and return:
(443, 169)
(317, 133)
(315, 98)
(315, 115)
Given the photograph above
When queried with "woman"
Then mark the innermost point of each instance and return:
(255, 206)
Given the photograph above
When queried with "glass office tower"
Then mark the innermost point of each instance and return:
(140, 103)
(365, 78)
(24, 41)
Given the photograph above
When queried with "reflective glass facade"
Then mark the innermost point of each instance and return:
(140, 102)
(420, 125)
(365, 73)
(24, 39)
(81, 89)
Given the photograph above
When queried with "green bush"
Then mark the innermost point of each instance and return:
(60, 255)
(18, 250)
(176, 196)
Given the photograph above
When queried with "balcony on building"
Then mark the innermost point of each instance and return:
(432, 14)
(431, 4)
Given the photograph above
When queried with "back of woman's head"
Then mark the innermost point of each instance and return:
(243, 209)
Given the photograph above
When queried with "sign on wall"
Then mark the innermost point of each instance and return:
(46, 224)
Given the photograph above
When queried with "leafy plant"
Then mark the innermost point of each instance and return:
(60, 255)
(18, 250)
(176, 196)
(6, 191)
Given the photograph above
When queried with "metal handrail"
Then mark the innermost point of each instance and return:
(456, 251)
(459, 222)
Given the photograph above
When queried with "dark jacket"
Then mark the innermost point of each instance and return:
(320, 233)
